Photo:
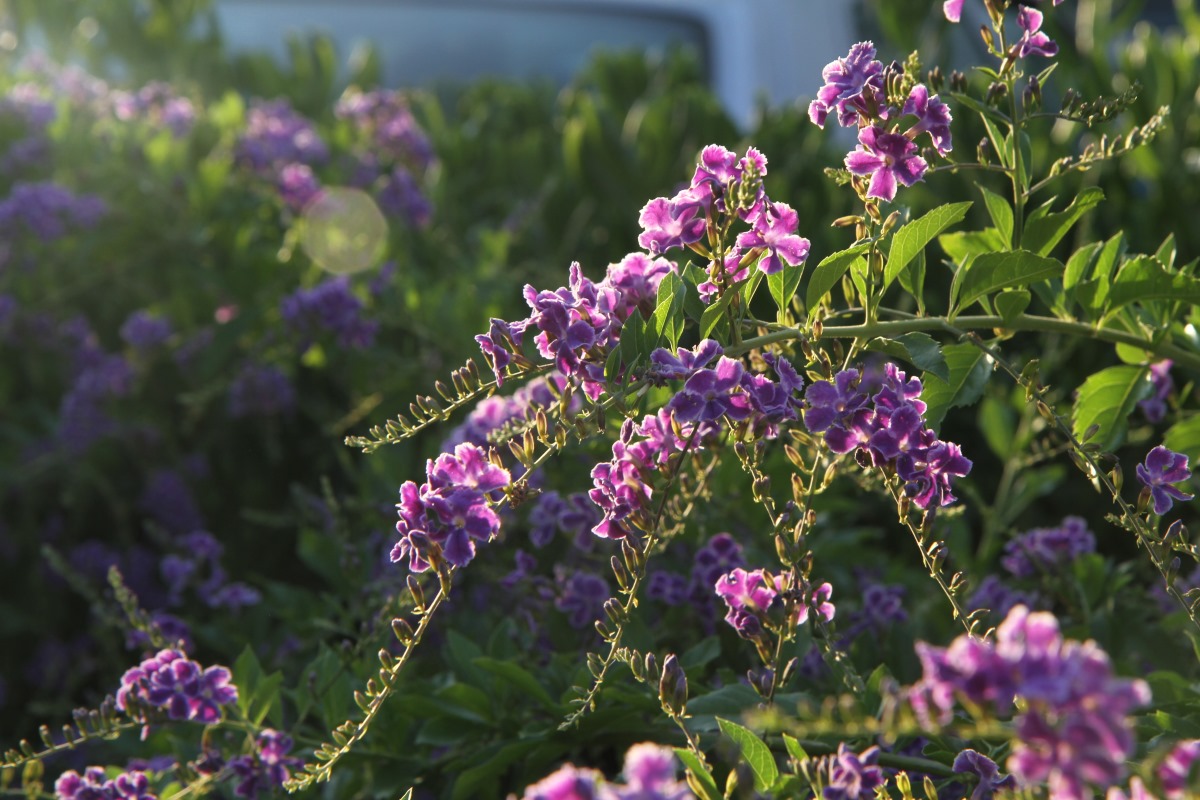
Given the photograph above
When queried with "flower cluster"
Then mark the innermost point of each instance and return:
(1161, 469)
(1072, 729)
(623, 487)
(260, 390)
(450, 513)
(93, 784)
(756, 601)
(855, 94)
(47, 210)
(144, 331)
(726, 184)
(276, 136)
(177, 685)
(159, 104)
(1046, 550)
(265, 770)
(574, 515)
(650, 774)
(329, 307)
(879, 413)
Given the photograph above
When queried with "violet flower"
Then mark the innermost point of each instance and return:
(775, 231)
(1034, 42)
(983, 768)
(677, 222)
(853, 85)
(853, 776)
(1161, 469)
(888, 158)
(1155, 407)
(933, 117)
(1176, 770)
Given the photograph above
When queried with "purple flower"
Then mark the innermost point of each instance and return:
(853, 86)
(169, 502)
(887, 158)
(1137, 791)
(1155, 407)
(276, 135)
(401, 196)
(982, 767)
(567, 783)
(172, 682)
(670, 588)
(260, 390)
(953, 9)
(992, 593)
(833, 408)
(1033, 42)
(267, 768)
(650, 774)
(677, 222)
(853, 776)
(1176, 770)
(686, 362)
(775, 231)
(329, 307)
(927, 472)
(143, 331)
(933, 117)
(581, 597)
(710, 394)
(451, 510)
(47, 209)
(1043, 550)
(1161, 469)
(298, 186)
(636, 278)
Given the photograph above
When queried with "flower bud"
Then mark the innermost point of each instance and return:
(996, 93)
(958, 81)
(934, 79)
(673, 688)
(988, 39)
(1031, 97)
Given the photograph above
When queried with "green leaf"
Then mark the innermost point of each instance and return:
(1080, 264)
(715, 313)
(1106, 399)
(697, 770)
(919, 349)
(755, 753)
(518, 676)
(970, 369)
(247, 673)
(794, 748)
(912, 279)
(1000, 211)
(1166, 251)
(1145, 278)
(999, 141)
(693, 306)
(483, 778)
(996, 421)
(992, 272)
(783, 286)
(829, 272)
(913, 237)
(701, 653)
(1044, 228)
(963, 245)
(631, 342)
(1184, 437)
(1011, 304)
(669, 317)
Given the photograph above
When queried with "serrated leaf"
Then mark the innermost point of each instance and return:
(1010, 305)
(1044, 228)
(1106, 399)
(1166, 251)
(992, 272)
(829, 272)
(1145, 278)
(1000, 211)
(783, 286)
(917, 348)
(705, 780)
(1184, 437)
(913, 237)
(970, 369)
(754, 752)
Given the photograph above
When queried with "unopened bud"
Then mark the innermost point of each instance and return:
(996, 93)
(958, 81)
(981, 151)
(934, 79)
(403, 631)
(890, 223)
(988, 39)
(847, 221)
(672, 687)
(1031, 97)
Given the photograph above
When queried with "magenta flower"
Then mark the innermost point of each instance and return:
(933, 117)
(1034, 42)
(853, 85)
(677, 222)
(953, 10)
(853, 776)
(1161, 469)
(775, 231)
(1176, 769)
(887, 158)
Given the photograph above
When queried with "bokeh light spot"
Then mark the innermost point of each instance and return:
(344, 231)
